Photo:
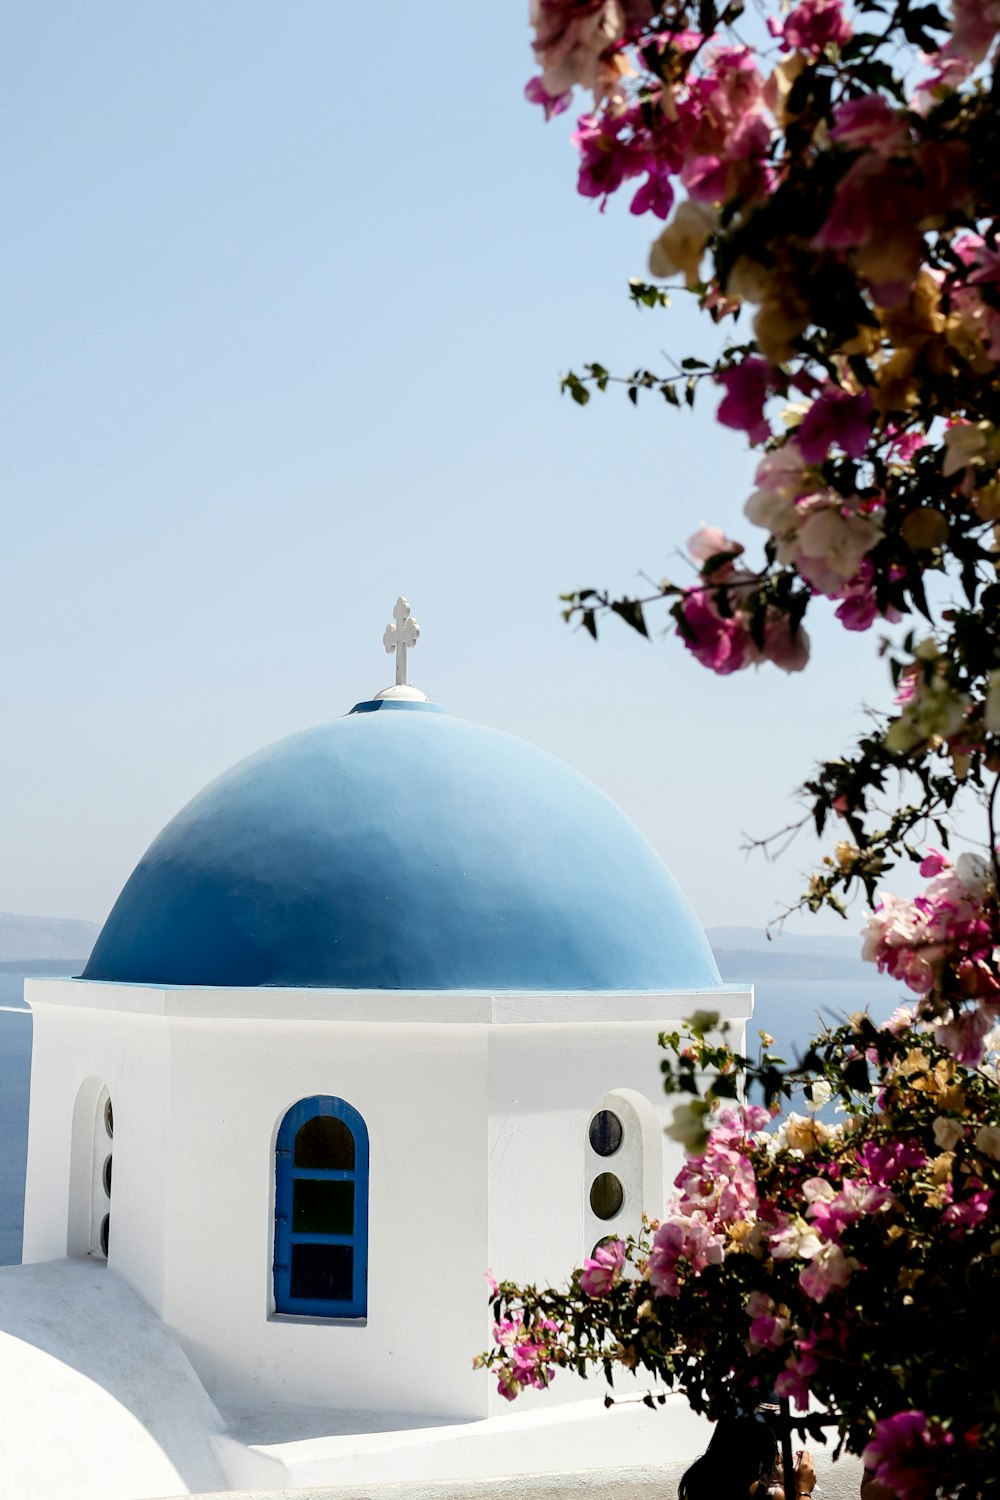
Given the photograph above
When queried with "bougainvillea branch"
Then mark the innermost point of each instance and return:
(824, 179)
(834, 182)
(847, 1267)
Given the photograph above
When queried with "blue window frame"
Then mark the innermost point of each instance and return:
(321, 1211)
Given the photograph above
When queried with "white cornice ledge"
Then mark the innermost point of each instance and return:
(390, 1007)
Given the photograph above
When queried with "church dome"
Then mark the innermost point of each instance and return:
(400, 848)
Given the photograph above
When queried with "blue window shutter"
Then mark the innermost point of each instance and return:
(307, 1258)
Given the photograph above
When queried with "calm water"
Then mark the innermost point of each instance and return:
(787, 1008)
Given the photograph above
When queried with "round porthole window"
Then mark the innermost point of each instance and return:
(606, 1195)
(106, 1175)
(606, 1239)
(105, 1234)
(605, 1132)
(109, 1119)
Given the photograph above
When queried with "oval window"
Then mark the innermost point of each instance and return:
(106, 1175)
(606, 1195)
(606, 1132)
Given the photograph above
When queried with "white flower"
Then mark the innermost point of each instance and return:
(965, 443)
(947, 1133)
(797, 1239)
(991, 710)
(975, 873)
(820, 1093)
(818, 1190)
(988, 1141)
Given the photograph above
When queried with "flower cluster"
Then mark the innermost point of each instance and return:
(837, 182)
(942, 944)
(529, 1353)
(846, 1263)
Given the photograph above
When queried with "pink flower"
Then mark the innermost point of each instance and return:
(742, 406)
(970, 1212)
(830, 1269)
(553, 104)
(815, 25)
(836, 416)
(724, 645)
(933, 863)
(981, 268)
(656, 195)
(902, 1454)
(767, 1328)
(601, 1272)
(869, 122)
(793, 1382)
(965, 1035)
(974, 29)
(859, 609)
(903, 446)
(681, 1239)
(708, 542)
(786, 648)
(830, 542)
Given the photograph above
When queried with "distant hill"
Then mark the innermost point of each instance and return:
(29, 939)
(746, 953)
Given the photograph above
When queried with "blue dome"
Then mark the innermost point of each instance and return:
(403, 849)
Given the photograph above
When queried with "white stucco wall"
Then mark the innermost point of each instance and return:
(477, 1110)
(73, 1046)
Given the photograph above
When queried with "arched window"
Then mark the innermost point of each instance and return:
(321, 1211)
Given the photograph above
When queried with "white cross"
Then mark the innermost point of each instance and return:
(403, 633)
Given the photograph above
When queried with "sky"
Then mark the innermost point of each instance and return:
(287, 298)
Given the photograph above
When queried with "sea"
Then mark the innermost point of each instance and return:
(788, 1007)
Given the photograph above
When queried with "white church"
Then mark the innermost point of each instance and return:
(377, 1011)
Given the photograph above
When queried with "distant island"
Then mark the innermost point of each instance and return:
(39, 938)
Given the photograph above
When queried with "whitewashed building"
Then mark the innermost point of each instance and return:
(377, 1011)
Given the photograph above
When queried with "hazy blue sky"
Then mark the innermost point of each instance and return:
(288, 290)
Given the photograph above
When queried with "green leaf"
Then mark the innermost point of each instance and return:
(630, 610)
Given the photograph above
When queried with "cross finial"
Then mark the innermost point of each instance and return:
(399, 635)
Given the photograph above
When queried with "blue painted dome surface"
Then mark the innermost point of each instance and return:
(403, 849)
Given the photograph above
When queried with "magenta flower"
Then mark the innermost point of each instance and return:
(606, 160)
(933, 863)
(901, 1454)
(705, 178)
(887, 1160)
(553, 104)
(723, 645)
(602, 1271)
(815, 25)
(656, 195)
(870, 123)
(747, 389)
(835, 417)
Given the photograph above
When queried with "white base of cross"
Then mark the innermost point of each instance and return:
(402, 691)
